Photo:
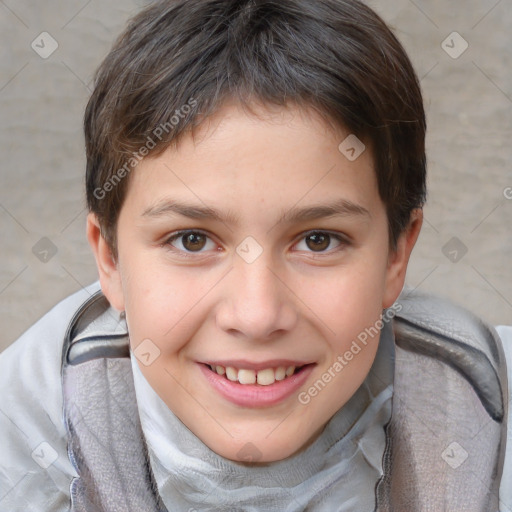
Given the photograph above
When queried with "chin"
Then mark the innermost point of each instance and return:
(263, 450)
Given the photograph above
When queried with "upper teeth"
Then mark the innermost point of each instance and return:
(263, 377)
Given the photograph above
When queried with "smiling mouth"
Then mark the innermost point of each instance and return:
(264, 377)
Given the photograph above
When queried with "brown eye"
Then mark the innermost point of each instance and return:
(318, 241)
(194, 241)
(191, 242)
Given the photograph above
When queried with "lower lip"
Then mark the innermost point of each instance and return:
(255, 395)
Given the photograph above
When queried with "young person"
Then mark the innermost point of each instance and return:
(255, 179)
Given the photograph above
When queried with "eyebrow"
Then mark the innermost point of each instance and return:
(338, 208)
(169, 207)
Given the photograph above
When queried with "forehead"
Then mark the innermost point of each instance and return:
(252, 161)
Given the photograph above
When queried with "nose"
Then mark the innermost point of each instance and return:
(257, 304)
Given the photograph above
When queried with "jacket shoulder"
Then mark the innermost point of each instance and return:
(96, 331)
(34, 466)
(437, 328)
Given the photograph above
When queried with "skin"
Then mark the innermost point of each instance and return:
(294, 301)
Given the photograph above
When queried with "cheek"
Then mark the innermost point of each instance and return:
(347, 300)
(162, 303)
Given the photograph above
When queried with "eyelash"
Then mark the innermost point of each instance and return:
(342, 241)
(181, 234)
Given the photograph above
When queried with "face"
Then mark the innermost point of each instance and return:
(250, 258)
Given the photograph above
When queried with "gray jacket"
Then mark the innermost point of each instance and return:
(438, 456)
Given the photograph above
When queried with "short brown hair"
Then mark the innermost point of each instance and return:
(179, 61)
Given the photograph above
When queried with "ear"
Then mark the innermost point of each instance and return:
(399, 259)
(108, 268)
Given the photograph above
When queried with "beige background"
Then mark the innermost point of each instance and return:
(469, 104)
